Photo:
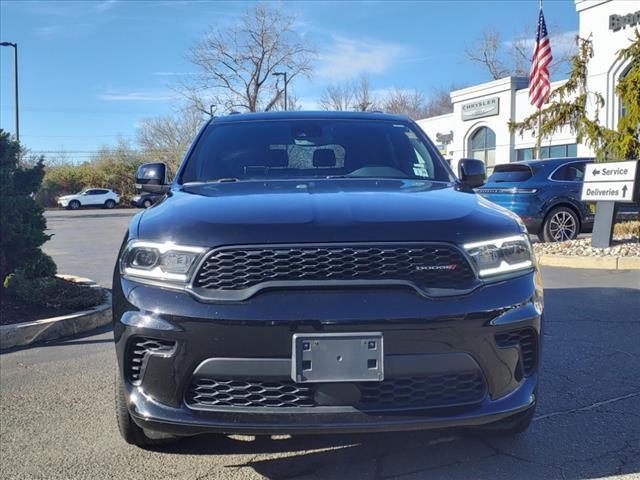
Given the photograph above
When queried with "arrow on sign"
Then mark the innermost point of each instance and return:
(596, 172)
(624, 191)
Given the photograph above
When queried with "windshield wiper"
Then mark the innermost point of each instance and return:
(215, 180)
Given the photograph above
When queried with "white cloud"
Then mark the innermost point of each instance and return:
(105, 5)
(308, 103)
(562, 43)
(137, 96)
(347, 58)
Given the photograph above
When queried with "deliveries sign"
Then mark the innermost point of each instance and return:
(613, 182)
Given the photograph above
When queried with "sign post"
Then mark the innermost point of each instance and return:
(608, 184)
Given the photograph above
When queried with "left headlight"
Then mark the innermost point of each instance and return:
(168, 263)
(501, 255)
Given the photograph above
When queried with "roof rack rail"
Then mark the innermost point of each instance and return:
(234, 112)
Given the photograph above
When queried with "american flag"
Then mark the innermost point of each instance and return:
(539, 83)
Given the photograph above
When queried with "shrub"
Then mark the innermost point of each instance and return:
(112, 167)
(52, 292)
(624, 229)
(22, 223)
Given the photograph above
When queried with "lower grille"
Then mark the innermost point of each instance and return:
(394, 393)
(432, 391)
(249, 393)
(527, 338)
(140, 349)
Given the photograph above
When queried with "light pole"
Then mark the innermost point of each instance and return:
(15, 77)
(284, 74)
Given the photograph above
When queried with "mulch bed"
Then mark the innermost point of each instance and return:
(12, 311)
(627, 246)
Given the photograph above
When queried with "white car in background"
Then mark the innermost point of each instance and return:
(90, 197)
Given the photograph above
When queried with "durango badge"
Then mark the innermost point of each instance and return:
(422, 268)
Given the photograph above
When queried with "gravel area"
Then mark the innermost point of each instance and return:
(627, 246)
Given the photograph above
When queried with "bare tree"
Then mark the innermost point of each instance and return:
(235, 65)
(512, 58)
(363, 98)
(411, 103)
(487, 51)
(337, 97)
(439, 101)
(355, 95)
(168, 137)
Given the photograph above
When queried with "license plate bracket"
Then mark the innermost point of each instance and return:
(337, 357)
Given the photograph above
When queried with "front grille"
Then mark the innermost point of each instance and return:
(140, 348)
(527, 338)
(432, 391)
(249, 393)
(425, 266)
(394, 393)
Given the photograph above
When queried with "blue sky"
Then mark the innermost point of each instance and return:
(90, 71)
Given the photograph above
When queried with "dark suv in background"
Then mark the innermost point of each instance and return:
(545, 194)
(322, 272)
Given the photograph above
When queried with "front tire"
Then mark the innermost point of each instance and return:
(109, 204)
(146, 203)
(130, 432)
(560, 225)
(73, 205)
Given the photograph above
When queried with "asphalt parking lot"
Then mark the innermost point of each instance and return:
(57, 418)
(86, 242)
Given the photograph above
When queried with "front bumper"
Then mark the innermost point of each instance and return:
(182, 421)
(440, 333)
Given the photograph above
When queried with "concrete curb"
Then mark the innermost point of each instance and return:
(23, 334)
(605, 263)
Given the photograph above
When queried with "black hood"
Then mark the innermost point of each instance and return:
(318, 211)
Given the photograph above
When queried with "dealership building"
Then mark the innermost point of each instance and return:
(478, 126)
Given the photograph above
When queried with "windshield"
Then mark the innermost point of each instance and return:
(324, 148)
(510, 173)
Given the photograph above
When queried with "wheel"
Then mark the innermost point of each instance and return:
(73, 205)
(511, 426)
(109, 204)
(130, 432)
(560, 225)
(147, 203)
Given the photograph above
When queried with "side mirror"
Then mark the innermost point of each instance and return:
(152, 177)
(472, 172)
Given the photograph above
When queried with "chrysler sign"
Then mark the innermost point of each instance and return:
(481, 108)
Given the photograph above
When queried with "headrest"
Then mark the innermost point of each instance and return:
(324, 157)
(278, 158)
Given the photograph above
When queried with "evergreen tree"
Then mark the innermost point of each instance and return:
(22, 223)
(568, 105)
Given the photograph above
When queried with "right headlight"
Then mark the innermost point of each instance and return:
(501, 255)
(165, 263)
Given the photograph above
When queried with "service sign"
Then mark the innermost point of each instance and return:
(610, 182)
(611, 172)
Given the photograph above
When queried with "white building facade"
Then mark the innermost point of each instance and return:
(478, 126)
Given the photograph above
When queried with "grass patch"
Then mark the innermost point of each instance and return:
(626, 229)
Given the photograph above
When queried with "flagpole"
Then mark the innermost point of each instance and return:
(539, 139)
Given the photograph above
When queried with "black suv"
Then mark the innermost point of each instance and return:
(322, 272)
